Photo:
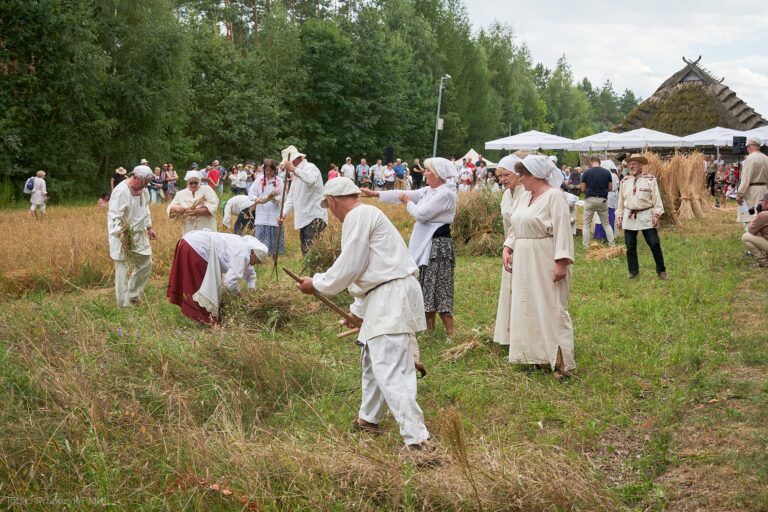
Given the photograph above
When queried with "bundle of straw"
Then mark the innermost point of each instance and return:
(459, 351)
(197, 203)
(599, 253)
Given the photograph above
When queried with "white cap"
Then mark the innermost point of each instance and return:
(142, 172)
(754, 141)
(256, 247)
(340, 186)
(553, 158)
(193, 175)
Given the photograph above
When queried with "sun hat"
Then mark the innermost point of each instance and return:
(143, 161)
(340, 186)
(636, 157)
(120, 170)
(756, 141)
(290, 154)
(256, 247)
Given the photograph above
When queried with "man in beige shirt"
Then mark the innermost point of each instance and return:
(639, 209)
(755, 240)
(754, 179)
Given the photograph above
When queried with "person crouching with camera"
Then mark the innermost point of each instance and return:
(755, 240)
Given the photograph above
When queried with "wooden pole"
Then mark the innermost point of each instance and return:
(281, 226)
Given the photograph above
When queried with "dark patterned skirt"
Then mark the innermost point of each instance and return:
(268, 236)
(436, 279)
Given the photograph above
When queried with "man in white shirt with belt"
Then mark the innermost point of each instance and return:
(377, 269)
(304, 197)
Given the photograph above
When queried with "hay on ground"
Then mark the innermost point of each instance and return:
(598, 252)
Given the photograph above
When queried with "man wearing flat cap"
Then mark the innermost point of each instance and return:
(754, 180)
(377, 269)
(129, 225)
(304, 197)
(639, 210)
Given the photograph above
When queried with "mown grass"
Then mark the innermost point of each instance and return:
(140, 409)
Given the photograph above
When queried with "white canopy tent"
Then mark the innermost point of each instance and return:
(596, 142)
(474, 155)
(645, 138)
(716, 136)
(530, 140)
(761, 132)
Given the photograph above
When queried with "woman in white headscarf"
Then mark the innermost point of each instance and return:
(195, 205)
(431, 246)
(613, 200)
(510, 180)
(538, 252)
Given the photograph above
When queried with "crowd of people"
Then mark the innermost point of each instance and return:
(379, 269)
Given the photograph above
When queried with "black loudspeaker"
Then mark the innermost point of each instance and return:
(389, 155)
(740, 144)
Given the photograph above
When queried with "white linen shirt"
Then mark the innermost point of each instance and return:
(125, 207)
(431, 208)
(233, 208)
(186, 198)
(374, 265)
(305, 195)
(234, 256)
(39, 192)
(266, 214)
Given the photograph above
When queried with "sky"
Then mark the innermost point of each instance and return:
(638, 45)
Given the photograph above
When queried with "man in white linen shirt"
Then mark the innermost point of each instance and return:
(304, 197)
(129, 208)
(376, 268)
(348, 169)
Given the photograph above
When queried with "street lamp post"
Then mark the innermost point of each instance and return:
(437, 119)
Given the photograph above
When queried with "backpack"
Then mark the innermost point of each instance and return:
(29, 186)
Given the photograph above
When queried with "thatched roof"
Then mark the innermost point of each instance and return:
(690, 101)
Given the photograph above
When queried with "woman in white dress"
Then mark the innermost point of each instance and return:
(512, 192)
(39, 196)
(195, 205)
(266, 194)
(538, 252)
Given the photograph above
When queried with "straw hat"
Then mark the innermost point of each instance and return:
(637, 157)
(120, 170)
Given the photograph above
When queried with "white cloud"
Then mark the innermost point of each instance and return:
(638, 46)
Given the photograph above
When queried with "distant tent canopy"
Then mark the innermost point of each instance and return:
(690, 101)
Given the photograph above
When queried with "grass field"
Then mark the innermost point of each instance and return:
(141, 409)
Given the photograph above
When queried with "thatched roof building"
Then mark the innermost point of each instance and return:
(690, 101)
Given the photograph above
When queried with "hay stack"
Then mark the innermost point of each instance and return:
(669, 192)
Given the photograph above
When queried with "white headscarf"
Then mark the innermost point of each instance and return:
(443, 167)
(543, 168)
(255, 246)
(608, 164)
(193, 175)
(508, 163)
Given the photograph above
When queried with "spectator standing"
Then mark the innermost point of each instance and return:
(417, 172)
(575, 182)
(400, 174)
(363, 173)
(156, 187)
(596, 182)
(117, 177)
(221, 171)
(613, 199)
(171, 183)
(348, 169)
(377, 173)
(389, 177)
(333, 172)
(214, 177)
(39, 196)
(481, 175)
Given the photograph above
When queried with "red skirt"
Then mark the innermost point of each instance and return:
(187, 273)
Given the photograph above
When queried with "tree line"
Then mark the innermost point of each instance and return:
(90, 85)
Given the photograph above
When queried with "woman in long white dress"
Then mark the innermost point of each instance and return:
(512, 192)
(539, 252)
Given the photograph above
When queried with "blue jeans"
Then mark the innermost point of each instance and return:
(651, 236)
